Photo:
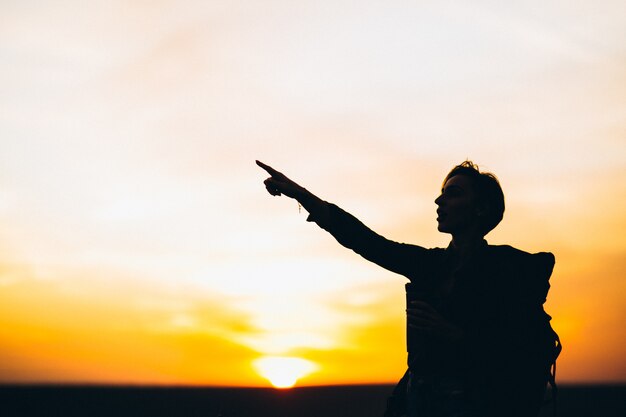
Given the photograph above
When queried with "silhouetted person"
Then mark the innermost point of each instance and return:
(479, 342)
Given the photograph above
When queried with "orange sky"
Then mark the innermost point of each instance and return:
(138, 244)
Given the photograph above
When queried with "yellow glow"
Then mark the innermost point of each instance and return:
(138, 244)
(283, 372)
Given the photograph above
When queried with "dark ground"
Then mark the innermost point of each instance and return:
(337, 401)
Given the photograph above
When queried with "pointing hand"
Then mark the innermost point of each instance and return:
(278, 183)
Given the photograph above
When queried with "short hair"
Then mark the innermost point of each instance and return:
(487, 189)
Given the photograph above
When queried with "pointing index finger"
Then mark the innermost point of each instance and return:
(268, 168)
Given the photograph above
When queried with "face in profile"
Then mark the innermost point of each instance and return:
(457, 208)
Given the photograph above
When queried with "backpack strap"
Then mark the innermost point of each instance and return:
(558, 347)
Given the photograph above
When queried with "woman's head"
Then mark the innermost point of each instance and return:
(469, 199)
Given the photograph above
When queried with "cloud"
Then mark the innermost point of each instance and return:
(130, 202)
(86, 329)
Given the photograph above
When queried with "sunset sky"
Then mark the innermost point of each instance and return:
(139, 246)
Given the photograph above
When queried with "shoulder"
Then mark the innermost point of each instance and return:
(521, 258)
(522, 270)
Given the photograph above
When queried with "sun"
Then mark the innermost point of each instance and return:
(283, 372)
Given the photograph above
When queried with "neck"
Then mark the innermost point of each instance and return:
(464, 244)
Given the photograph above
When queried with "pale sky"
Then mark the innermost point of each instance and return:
(131, 209)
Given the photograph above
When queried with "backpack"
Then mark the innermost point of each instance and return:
(511, 372)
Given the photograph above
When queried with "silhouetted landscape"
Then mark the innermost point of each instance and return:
(331, 401)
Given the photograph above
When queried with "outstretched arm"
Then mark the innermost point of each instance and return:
(401, 258)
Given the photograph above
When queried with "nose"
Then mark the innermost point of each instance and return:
(439, 199)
